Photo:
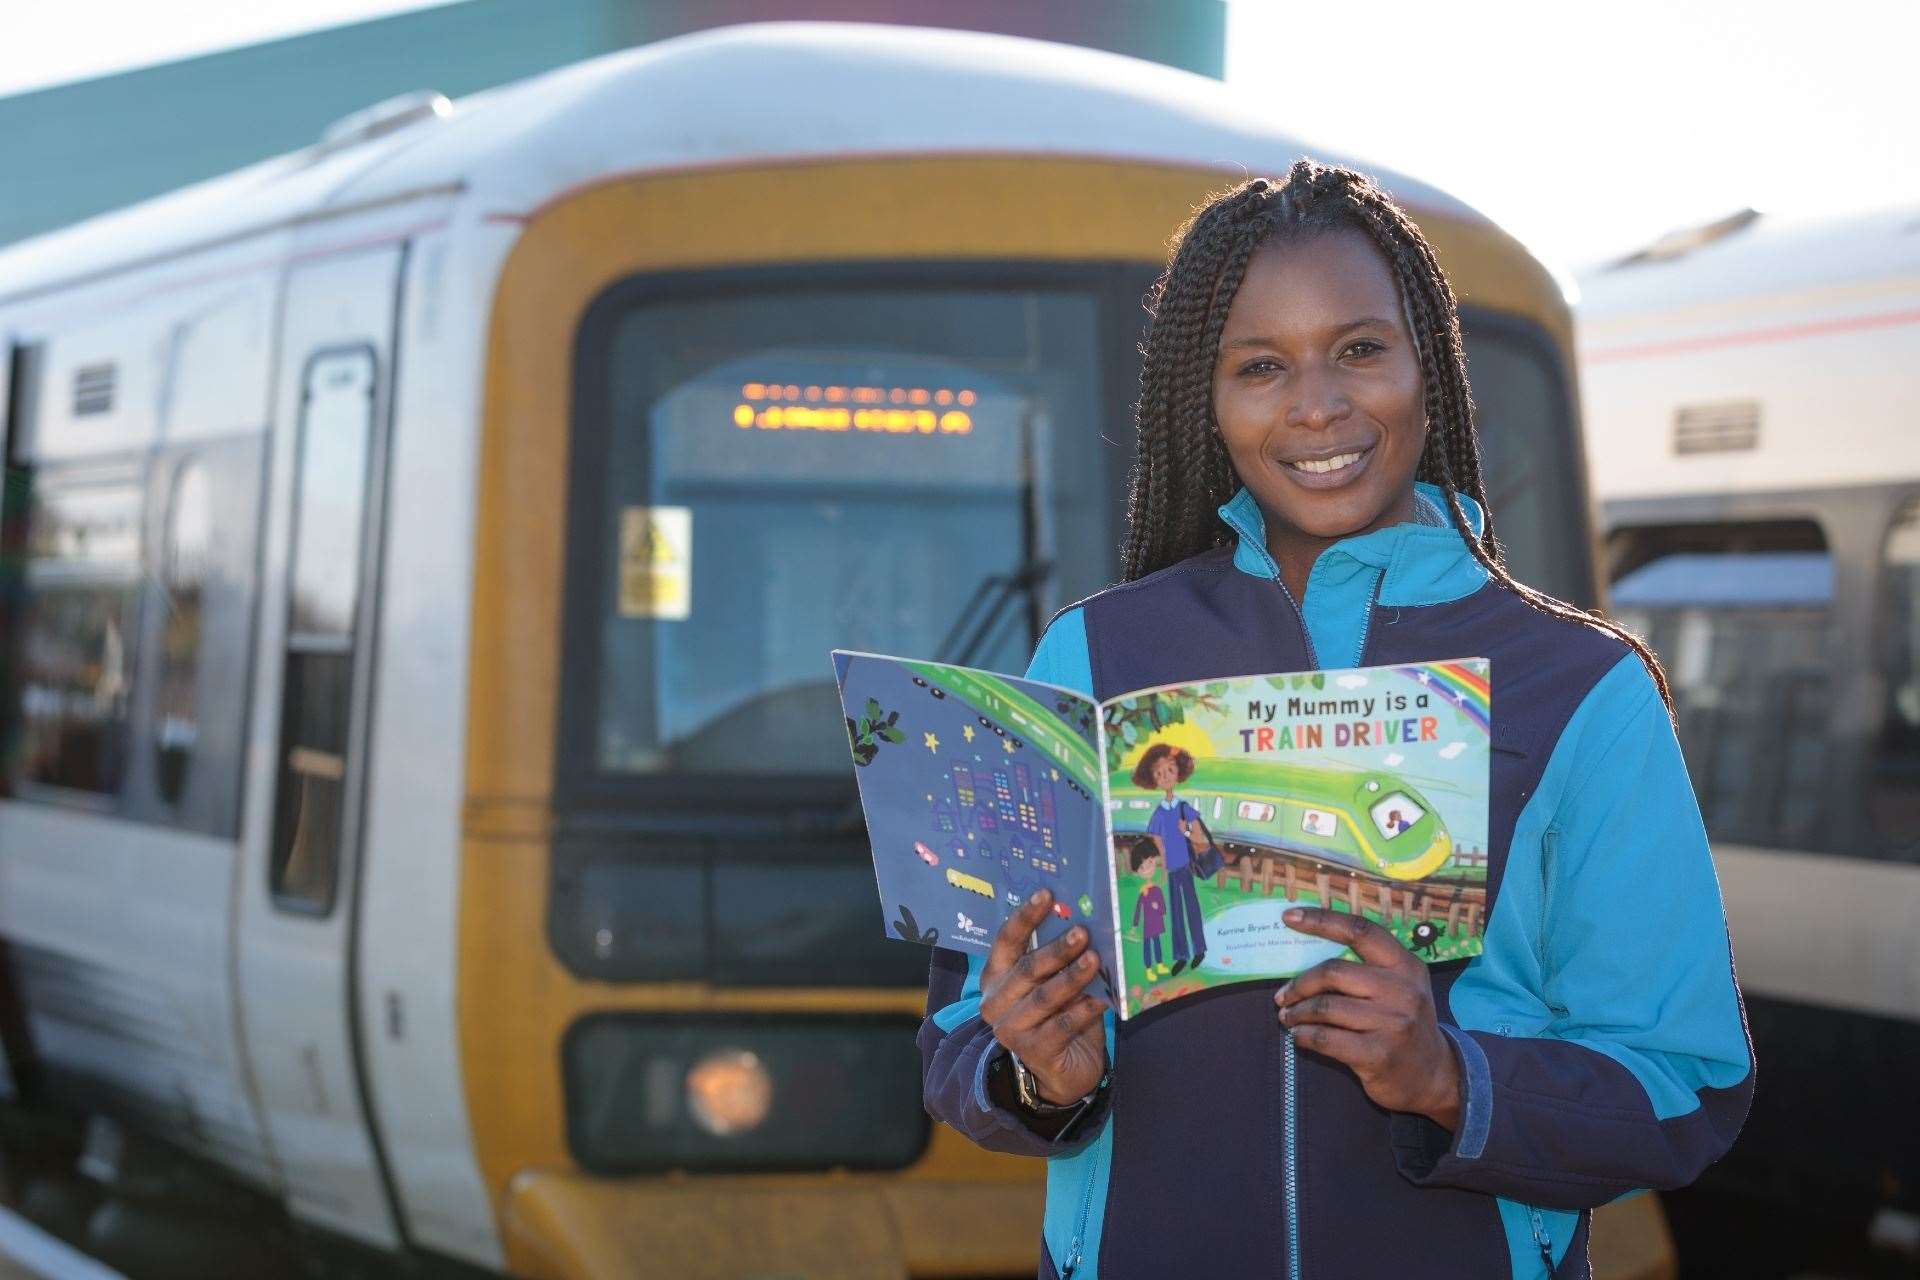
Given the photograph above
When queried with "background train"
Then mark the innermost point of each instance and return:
(424, 790)
(1752, 394)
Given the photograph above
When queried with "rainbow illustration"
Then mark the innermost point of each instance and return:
(1462, 684)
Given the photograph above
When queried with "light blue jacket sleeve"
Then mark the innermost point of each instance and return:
(1061, 657)
(1607, 1048)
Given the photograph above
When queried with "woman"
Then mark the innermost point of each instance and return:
(1308, 494)
(1173, 828)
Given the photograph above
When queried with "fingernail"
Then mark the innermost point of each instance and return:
(1295, 916)
(1041, 896)
(1280, 996)
(1077, 935)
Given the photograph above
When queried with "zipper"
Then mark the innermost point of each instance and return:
(1541, 1238)
(1289, 1152)
(1292, 1163)
(1366, 622)
(1080, 1230)
(1290, 1139)
(1299, 616)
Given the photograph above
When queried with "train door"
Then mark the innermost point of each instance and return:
(308, 772)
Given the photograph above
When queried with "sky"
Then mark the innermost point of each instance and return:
(1586, 130)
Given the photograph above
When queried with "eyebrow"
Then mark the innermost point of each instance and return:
(1351, 324)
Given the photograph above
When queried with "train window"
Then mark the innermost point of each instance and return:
(1531, 463)
(198, 625)
(1895, 789)
(76, 659)
(336, 428)
(186, 557)
(785, 472)
(1395, 813)
(1741, 616)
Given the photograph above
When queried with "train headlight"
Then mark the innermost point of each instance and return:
(743, 1092)
(729, 1092)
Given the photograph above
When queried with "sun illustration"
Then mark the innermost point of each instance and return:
(1191, 737)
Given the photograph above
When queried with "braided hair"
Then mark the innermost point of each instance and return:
(1181, 471)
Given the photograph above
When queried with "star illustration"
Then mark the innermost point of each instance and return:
(966, 731)
(1006, 745)
(933, 743)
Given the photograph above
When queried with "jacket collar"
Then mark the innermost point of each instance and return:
(1424, 561)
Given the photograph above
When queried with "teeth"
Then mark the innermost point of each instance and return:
(1331, 464)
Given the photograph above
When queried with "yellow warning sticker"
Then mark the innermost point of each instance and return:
(656, 562)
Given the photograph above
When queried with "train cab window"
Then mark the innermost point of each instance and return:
(75, 654)
(1741, 617)
(1895, 787)
(774, 473)
(1395, 814)
(330, 495)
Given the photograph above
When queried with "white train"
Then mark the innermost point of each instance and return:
(1752, 405)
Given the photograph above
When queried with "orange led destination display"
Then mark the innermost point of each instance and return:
(778, 406)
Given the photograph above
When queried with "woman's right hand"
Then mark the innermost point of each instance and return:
(1037, 1005)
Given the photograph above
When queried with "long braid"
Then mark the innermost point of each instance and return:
(1181, 470)
(1166, 518)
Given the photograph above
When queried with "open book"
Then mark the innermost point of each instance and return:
(1178, 823)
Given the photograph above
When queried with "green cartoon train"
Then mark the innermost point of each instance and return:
(1357, 818)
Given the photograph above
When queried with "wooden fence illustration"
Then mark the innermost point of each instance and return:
(1463, 907)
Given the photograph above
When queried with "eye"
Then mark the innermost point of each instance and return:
(1259, 366)
(1366, 346)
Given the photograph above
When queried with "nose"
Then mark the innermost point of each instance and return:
(1317, 401)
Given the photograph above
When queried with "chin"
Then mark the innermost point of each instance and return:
(1335, 515)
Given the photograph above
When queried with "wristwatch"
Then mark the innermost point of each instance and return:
(1028, 1091)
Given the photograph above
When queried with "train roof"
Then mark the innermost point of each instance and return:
(728, 96)
(1758, 356)
(1751, 256)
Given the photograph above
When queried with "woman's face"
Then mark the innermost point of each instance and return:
(1165, 773)
(1316, 366)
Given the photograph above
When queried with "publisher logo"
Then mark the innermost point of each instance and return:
(964, 923)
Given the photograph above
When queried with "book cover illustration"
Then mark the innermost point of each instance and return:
(1360, 790)
(978, 790)
(1178, 824)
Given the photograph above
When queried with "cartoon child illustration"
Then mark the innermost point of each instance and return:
(1163, 767)
(1396, 822)
(1150, 908)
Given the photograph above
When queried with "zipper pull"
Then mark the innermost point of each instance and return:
(1073, 1261)
(1541, 1238)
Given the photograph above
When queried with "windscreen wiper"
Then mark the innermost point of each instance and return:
(987, 607)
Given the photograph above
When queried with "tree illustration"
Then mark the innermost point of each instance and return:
(872, 729)
(909, 929)
(1132, 721)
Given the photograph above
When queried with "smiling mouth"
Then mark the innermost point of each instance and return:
(1337, 462)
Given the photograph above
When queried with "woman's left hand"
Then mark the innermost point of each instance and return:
(1375, 1016)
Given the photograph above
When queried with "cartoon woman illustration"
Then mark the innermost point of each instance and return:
(1175, 822)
